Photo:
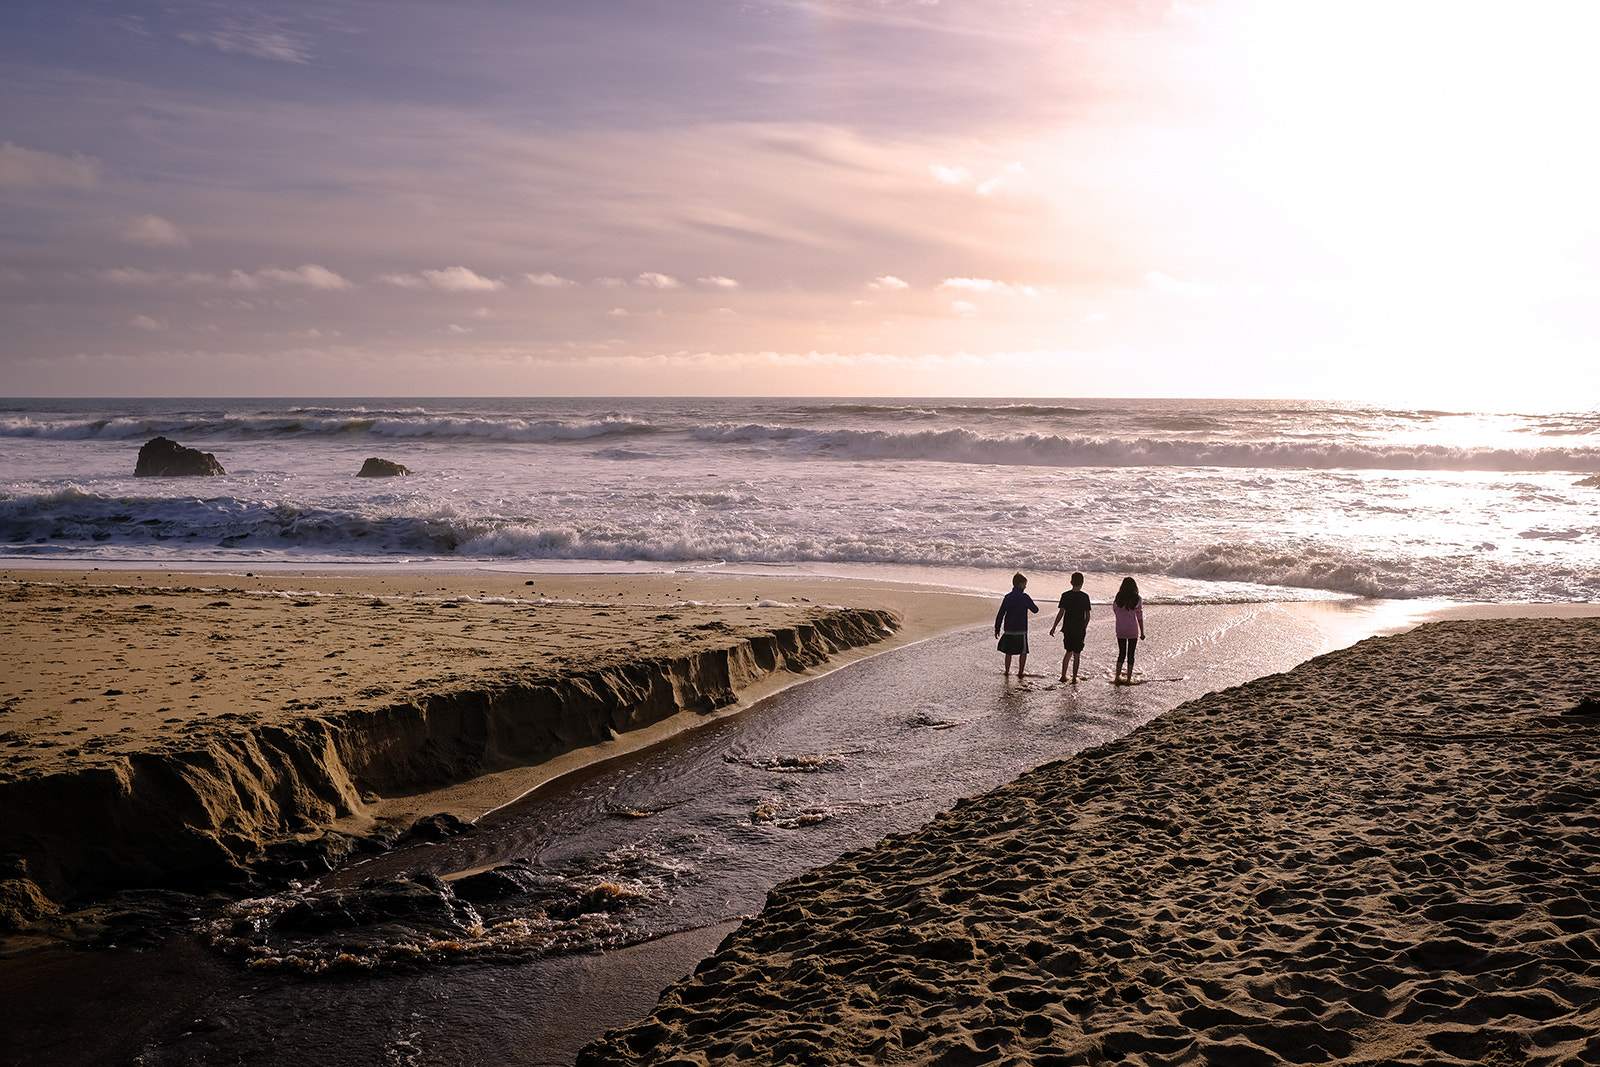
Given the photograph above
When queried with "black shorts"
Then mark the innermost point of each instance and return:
(1072, 642)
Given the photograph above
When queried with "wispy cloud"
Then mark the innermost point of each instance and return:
(653, 280)
(988, 285)
(462, 280)
(717, 281)
(254, 33)
(29, 168)
(310, 276)
(449, 279)
(547, 280)
(1011, 172)
(887, 283)
(154, 231)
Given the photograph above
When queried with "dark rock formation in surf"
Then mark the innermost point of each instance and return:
(161, 458)
(381, 468)
(198, 814)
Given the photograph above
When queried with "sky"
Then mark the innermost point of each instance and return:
(1378, 201)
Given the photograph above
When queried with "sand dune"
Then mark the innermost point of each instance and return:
(1390, 854)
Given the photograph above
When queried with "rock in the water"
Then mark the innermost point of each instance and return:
(161, 458)
(1589, 483)
(423, 901)
(436, 827)
(509, 880)
(380, 468)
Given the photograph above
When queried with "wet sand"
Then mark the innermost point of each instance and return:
(1386, 855)
(1390, 854)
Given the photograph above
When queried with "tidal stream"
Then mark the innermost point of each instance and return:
(689, 835)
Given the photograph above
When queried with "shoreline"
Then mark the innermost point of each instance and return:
(1384, 855)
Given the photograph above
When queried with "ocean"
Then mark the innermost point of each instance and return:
(1204, 500)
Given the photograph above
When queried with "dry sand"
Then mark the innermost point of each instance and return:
(1390, 854)
(114, 683)
(96, 663)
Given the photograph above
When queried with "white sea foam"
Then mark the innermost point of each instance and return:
(1235, 499)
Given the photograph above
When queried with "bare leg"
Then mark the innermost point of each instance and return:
(1022, 664)
(1064, 660)
(1007, 672)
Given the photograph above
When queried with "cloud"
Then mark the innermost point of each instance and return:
(962, 307)
(950, 175)
(27, 168)
(450, 279)
(155, 231)
(987, 285)
(461, 280)
(549, 281)
(311, 275)
(145, 322)
(652, 280)
(610, 283)
(1011, 170)
(887, 282)
(252, 33)
(717, 281)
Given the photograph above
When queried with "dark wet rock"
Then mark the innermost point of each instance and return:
(307, 859)
(506, 882)
(424, 901)
(142, 918)
(161, 458)
(381, 468)
(436, 827)
(1592, 482)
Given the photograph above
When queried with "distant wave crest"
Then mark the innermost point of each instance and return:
(965, 446)
(73, 523)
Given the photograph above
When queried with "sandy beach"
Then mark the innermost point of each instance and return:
(1387, 855)
(230, 681)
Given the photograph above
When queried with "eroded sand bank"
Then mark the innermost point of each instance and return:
(157, 724)
(1390, 854)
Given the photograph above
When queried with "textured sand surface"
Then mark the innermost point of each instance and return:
(153, 724)
(1390, 854)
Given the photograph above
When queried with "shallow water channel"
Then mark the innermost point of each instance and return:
(696, 830)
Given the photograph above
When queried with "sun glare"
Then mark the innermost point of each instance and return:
(1442, 142)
